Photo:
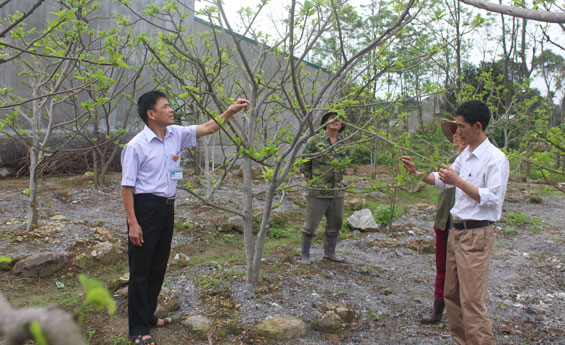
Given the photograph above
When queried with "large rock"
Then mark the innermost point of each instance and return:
(363, 220)
(234, 223)
(198, 323)
(40, 265)
(328, 322)
(106, 252)
(283, 327)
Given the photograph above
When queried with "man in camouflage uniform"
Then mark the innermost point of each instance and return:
(324, 170)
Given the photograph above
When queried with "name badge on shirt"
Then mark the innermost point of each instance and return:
(176, 174)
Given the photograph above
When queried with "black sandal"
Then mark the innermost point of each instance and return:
(138, 340)
(166, 321)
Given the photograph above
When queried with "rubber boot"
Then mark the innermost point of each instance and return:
(435, 316)
(306, 244)
(330, 243)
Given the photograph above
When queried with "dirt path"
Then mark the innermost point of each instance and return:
(386, 278)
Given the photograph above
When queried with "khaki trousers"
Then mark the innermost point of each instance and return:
(467, 269)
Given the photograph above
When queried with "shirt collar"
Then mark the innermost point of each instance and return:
(479, 150)
(150, 135)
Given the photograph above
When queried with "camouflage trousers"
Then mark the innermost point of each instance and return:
(317, 208)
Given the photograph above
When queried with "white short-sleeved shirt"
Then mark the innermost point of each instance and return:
(147, 160)
(486, 168)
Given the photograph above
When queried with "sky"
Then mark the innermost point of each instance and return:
(275, 10)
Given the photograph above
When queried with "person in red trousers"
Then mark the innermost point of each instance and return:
(445, 202)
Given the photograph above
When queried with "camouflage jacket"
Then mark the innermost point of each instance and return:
(324, 172)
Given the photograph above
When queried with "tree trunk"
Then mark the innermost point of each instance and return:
(32, 217)
(207, 171)
(252, 275)
(95, 167)
(34, 152)
(373, 165)
(526, 165)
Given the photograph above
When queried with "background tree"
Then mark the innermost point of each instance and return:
(274, 78)
(37, 110)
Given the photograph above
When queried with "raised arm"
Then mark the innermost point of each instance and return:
(212, 126)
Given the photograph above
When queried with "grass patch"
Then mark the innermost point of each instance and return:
(180, 226)
(224, 248)
(228, 248)
(521, 219)
(510, 231)
(280, 228)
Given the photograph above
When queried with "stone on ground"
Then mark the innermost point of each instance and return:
(363, 220)
(40, 265)
(328, 322)
(282, 327)
(106, 252)
(345, 312)
(59, 218)
(198, 323)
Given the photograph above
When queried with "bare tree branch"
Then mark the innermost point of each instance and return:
(21, 19)
(540, 16)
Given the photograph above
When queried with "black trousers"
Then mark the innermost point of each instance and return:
(148, 263)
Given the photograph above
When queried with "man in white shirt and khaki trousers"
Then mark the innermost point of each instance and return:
(480, 175)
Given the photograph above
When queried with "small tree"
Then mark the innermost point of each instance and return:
(47, 62)
(287, 98)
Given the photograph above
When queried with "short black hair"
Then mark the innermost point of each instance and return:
(325, 118)
(473, 112)
(147, 102)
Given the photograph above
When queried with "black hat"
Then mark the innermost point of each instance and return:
(325, 118)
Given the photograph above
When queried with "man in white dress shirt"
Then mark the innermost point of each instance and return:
(480, 175)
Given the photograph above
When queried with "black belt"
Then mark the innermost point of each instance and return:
(471, 224)
(164, 199)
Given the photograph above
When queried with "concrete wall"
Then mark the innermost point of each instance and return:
(431, 113)
(272, 67)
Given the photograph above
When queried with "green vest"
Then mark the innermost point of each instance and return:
(445, 202)
(324, 172)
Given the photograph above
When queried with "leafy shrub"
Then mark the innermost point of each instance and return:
(386, 160)
(280, 229)
(381, 214)
(361, 154)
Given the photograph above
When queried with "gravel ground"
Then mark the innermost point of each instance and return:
(385, 279)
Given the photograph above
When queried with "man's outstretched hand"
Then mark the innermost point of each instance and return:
(409, 164)
(239, 105)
